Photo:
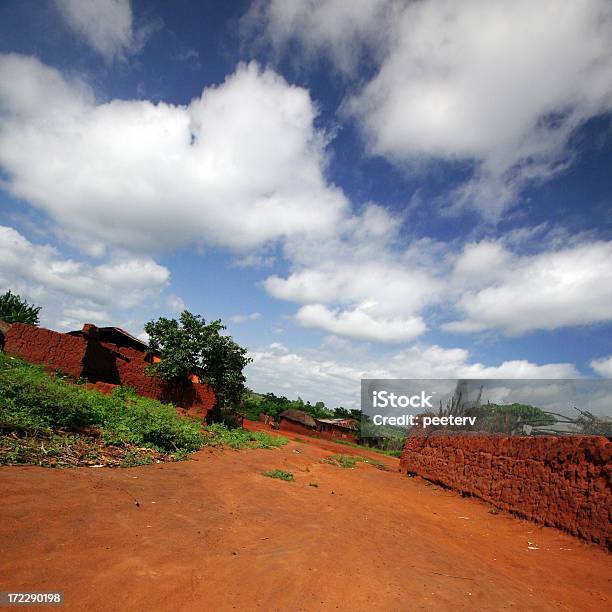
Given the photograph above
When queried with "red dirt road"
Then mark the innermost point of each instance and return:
(214, 534)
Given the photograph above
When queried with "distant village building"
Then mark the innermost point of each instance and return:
(345, 429)
(299, 421)
(105, 357)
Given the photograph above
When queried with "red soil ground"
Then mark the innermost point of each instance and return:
(213, 533)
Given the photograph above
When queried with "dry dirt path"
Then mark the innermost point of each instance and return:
(214, 534)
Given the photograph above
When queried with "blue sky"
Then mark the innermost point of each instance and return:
(368, 189)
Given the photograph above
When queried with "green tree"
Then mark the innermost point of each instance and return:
(15, 310)
(192, 346)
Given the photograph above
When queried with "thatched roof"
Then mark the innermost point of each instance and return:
(298, 416)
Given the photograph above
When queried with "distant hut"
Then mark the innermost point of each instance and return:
(344, 429)
(297, 421)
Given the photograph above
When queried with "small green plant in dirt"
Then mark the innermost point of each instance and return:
(350, 461)
(280, 474)
(221, 435)
(133, 459)
(494, 510)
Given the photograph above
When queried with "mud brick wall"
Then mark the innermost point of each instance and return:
(294, 427)
(336, 434)
(103, 364)
(563, 481)
(131, 364)
(42, 346)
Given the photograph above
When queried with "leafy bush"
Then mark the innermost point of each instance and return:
(15, 310)
(280, 474)
(191, 346)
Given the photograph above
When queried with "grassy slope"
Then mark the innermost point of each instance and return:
(46, 420)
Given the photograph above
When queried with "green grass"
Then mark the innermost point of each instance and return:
(220, 435)
(350, 461)
(280, 474)
(31, 400)
(133, 459)
(380, 451)
(43, 417)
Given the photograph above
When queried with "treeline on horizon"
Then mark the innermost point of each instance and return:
(255, 404)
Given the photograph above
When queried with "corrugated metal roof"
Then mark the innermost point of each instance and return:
(346, 423)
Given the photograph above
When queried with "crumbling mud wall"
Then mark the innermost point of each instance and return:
(298, 428)
(130, 365)
(560, 481)
(103, 364)
(45, 347)
(337, 435)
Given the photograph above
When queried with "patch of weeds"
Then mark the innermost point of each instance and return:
(350, 461)
(180, 455)
(280, 474)
(373, 449)
(494, 510)
(133, 459)
(343, 461)
(220, 435)
(63, 450)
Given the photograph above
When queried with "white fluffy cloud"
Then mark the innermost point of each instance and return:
(362, 283)
(313, 374)
(244, 318)
(361, 322)
(337, 27)
(516, 294)
(356, 283)
(501, 84)
(72, 291)
(603, 366)
(238, 166)
(106, 25)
